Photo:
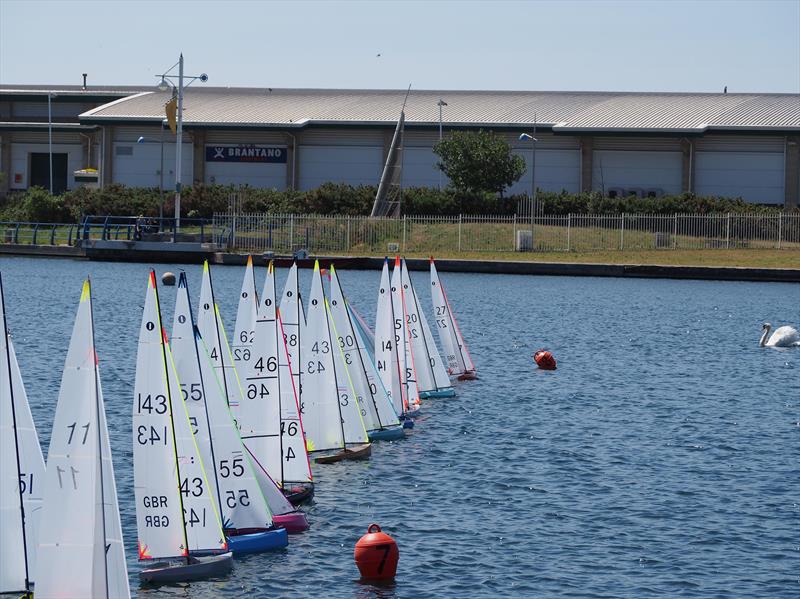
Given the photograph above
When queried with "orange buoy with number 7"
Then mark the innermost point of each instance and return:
(376, 555)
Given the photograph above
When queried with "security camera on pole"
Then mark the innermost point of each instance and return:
(164, 85)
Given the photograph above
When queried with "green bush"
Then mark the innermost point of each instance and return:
(202, 201)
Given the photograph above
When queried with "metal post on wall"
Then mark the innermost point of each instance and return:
(50, 137)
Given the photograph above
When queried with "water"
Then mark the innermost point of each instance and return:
(661, 458)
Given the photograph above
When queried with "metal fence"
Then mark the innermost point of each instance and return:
(286, 233)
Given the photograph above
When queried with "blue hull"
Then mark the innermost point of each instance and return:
(387, 434)
(258, 542)
(407, 423)
(448, 392)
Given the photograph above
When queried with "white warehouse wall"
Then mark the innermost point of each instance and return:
(555, 170)
(355, 165)
(19, 161)
(141, 167)
(754, 176)
(637, 169)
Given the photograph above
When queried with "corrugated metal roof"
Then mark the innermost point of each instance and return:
(565, 111)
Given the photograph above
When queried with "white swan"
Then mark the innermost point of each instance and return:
(782, 337)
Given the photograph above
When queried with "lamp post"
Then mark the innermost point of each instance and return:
(440, 104)
(534, 206)
(50, 136)
(164, 85)
(144, 139)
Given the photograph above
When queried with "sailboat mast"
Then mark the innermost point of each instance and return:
(196, 334)
(358, 352)
(401, 375)
(333, 361)
(16, 437)
(279, 342)
(219, 340)
(171, 413)
(419, 323)
(99, 437)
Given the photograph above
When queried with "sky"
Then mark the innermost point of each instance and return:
(672, 46)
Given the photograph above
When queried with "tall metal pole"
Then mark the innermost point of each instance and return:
(50, 138)
(440, 140)
(533, 168)
(161, 183)
(179, 142)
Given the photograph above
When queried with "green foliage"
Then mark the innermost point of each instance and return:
(202, 201)
(478, 161)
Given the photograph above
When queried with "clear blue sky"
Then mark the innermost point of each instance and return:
(619, 46)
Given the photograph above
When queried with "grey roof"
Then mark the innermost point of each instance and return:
(70, 90)
(564, 111)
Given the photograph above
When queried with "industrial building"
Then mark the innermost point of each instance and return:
(733, 145)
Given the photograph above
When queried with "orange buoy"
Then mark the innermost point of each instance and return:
(376, 555)
(544, 360)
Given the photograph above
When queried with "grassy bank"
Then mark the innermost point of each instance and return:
(723, 258)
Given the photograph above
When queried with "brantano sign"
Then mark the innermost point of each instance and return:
(273, 154)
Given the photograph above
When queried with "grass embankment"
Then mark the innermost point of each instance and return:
(726, 258)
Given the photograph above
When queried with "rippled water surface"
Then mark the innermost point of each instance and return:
(661, 458)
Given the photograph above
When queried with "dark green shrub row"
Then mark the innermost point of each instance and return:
(202, 201)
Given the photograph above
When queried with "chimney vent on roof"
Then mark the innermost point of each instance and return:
(84, 80)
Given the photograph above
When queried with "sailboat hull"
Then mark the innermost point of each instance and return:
(293, 522)
(299, 493)
(387, 434)
(197, 568)
(436, 393)
(358, 452)
(407, 422)
(470, 375)
(258, 542)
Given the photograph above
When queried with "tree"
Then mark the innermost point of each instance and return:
(478, 161)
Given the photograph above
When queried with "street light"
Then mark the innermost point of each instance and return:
(440, 104)
(534, 206)
(142, 139)
(50, 136)
(164, 85)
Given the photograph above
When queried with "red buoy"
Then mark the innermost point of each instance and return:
(544, 360)
(376, 555)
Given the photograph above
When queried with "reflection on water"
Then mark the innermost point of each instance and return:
(659, 459)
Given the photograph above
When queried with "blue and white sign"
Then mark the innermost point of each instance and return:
(244, 153)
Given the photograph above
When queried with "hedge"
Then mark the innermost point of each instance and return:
(202, 201)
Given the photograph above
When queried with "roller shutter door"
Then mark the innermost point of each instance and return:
(754, 176)
(355, 165)
(419, 168)
(631, 170)
(555, 170)
(138, 164)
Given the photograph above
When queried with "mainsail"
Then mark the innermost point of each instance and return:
(22, 471)
(81, 553)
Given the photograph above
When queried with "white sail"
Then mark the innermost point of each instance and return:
(350, 405)
(367, 334)
(386, 357)
(80, 551)
(22, 471)
(321, 416)
(408, 370)
(344, 337)
(387, 415)
(175, 508)
(295, 464)
(259, 413)
(352, 348)
(294, 320)
(456, 353)
(430, 369)
(228, 466)
(246, 315)
(114, 547)
(209, 322)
